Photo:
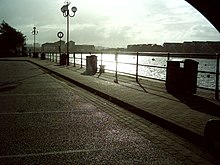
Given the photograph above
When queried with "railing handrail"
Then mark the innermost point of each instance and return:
(156, 54)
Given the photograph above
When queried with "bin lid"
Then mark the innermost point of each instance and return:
(190, 61)
(182, 60)
(176, 60)
(92, 55)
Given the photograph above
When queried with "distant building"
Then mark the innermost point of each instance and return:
(202, 47)
(185, 47)
(193, 47)
(173, 47)
(30, 47)
(84, 48)
(145, 48)
(71, 46)
(53, 47)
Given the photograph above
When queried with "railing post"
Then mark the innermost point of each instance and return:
(217, 78)
(56, 57)
(74, 59)
(101, 58)
(168, 56)
(81, 62)
(116, 69)
(137, 68)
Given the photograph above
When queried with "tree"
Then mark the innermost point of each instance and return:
(11, 40)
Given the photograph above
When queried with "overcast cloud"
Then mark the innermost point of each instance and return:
(110, 23)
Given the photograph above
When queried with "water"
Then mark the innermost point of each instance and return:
(206, 80)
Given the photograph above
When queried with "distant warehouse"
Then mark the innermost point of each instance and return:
(54, 47)
(185, 47)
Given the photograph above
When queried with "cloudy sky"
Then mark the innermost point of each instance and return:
(110, 23)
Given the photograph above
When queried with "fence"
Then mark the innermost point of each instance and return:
(78, 58)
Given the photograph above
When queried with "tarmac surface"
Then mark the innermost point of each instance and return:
(46, 119)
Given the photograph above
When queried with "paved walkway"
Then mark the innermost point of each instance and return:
(184, 115)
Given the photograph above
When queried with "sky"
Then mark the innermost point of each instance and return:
(110, 23)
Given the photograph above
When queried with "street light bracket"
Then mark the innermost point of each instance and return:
(34, 32)
(74, 9)
(64, 8)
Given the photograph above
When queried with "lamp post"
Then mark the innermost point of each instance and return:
(34, 32)
(66, 13)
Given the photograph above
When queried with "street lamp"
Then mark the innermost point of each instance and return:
(34, 32)
(66, 13)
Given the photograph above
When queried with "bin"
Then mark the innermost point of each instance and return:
(91, 65)
(191, 71)
(42, 57)
(181, 76)
(63, 58)
(35, 55)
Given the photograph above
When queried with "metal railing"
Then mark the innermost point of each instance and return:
(78, 59)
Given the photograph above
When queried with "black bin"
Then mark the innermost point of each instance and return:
(91, 65)
(35, 55)
(63, 58)
(181, 76)
(42, 57)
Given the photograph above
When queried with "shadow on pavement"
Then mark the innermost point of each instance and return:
(142, 87)
(8, 86)
(14, 84)
(199, 104)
